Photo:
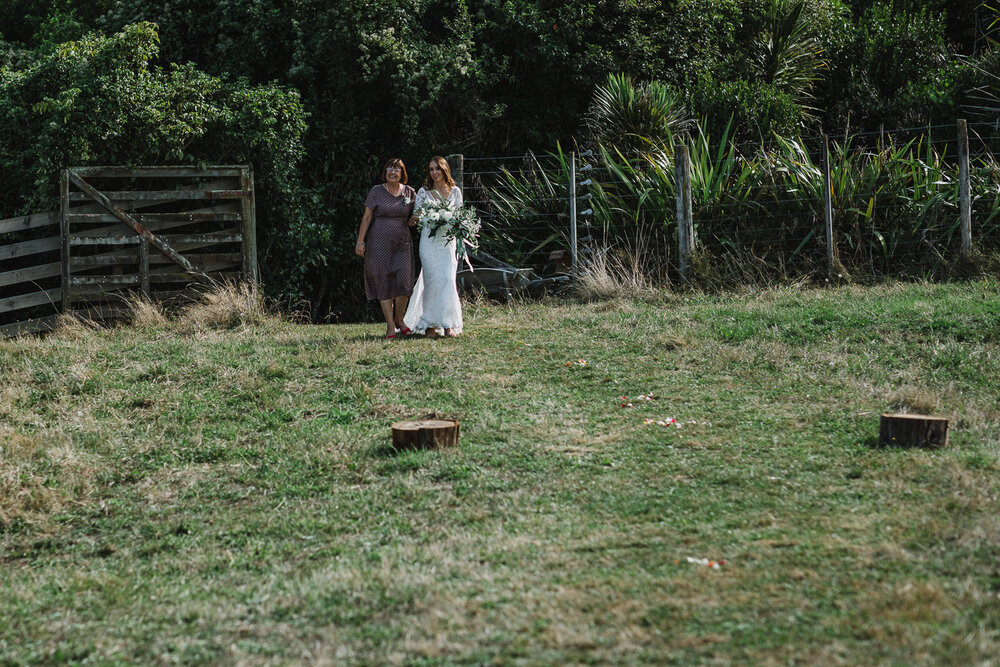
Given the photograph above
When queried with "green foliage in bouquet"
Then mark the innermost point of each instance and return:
(442, 220)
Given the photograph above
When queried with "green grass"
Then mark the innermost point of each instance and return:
(169, 495)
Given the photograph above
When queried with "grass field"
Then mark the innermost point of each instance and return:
(177, 493)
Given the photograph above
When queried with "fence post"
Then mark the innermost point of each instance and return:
(248, 208)
(64, 246)
(685, 219)
(572, 214)
(456, 161)
(964, 188)
(144, 266)
(828, 206)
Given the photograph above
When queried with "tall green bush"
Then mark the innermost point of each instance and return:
(496, 77)
(755, 110)
(892, 68)
(103, 100)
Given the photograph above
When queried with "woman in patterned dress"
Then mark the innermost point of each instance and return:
(388, 250)
(435, 305)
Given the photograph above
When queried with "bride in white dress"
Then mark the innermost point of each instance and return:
(434, 305)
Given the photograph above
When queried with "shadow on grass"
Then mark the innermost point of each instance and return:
(387, 450)
(372, 338)
(873, 443)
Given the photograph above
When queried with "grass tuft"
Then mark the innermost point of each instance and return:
(226, 306)
(621, 272)
(915, 401)
(144, 312)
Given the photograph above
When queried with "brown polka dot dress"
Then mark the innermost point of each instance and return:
(388, 247)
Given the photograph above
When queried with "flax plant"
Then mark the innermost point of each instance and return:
(634, 196)
(986, 203)
(531, 209)
(795, 190)
(891, 201)
(895, 205)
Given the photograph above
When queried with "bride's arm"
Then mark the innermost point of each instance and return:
(457, 196)
(417, 203)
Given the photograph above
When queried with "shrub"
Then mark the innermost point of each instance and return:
(101, 100)
(756, 110)
(892, 68)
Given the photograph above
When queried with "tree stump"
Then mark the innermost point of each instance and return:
(425, 434)
(898, 430)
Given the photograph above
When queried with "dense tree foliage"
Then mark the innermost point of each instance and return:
(102, 100)
(416, 77)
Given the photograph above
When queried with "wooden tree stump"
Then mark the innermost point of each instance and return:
(425, 434)
(898, 430)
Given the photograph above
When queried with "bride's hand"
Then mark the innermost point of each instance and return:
(413, 221)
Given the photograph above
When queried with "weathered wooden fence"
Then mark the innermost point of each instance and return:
(121, 230)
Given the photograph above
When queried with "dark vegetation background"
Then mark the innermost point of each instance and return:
(317, 94)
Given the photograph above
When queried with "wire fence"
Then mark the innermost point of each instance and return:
(896, 205)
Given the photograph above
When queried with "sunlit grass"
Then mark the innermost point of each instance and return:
(213, 494)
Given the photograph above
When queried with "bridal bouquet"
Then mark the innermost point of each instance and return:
(445, 221)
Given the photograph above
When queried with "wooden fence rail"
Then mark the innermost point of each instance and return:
(112, 237)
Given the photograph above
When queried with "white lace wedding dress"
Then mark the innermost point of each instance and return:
(434, 303)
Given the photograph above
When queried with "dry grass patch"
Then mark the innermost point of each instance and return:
(144, 313)
(42, 474)
(892, 609)
(226, 306)
(76, 327)
(917, 400)
(164, 486)
(623, 272)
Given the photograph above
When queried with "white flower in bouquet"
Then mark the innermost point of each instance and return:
(442, 220)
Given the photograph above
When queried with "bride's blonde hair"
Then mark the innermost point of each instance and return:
(443, 164)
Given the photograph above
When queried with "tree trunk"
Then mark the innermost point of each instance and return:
(425, 434)
(898, 430)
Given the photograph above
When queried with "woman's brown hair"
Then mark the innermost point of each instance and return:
(443, 164)
(395, 162)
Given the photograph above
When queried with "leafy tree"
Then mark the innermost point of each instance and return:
(745, 110)
(892, 69)
(101, 100)
(787, 54)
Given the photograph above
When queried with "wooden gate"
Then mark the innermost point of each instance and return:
(154, 230)
(171, 232)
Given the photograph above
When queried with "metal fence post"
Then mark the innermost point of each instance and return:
(572, 214)
(964, 188)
